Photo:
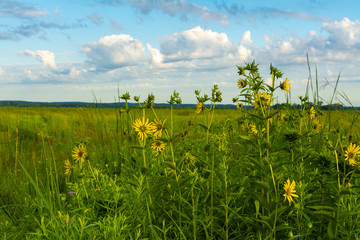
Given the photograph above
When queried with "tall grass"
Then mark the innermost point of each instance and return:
(220, 175)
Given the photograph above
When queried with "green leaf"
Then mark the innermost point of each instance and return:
(136, 146)
(257, 207)
(331, 230)
(344, 215)
(257, 116)
(332, 209)
(283, 227)
(264, 221)
(263, 184)
(295, 236)
(327, 214)
(248, 138)
(203, 126)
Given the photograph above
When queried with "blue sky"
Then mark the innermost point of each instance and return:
(68, 50)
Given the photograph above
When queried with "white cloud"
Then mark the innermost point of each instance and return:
(246, 40)
(1, 71)
(340, 44)
(46, 57)
(156, 57)
(29, 74)
(115, 51)
(198, 50)
(344, 33)
(196, 43)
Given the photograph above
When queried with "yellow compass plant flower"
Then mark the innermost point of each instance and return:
(159, 126)
(79, 153)
(289, 191)
(350, 154)
(144, 128)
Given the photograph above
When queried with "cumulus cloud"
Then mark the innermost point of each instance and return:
(47, 58)
(197, 43)
(246, 40)
(194, 44)
(341, 43)
(198, 50)
(180, 7)
(344, 33)
(20, 10)
(114, 51)
(156, 57)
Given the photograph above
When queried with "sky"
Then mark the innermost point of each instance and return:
(56, 51)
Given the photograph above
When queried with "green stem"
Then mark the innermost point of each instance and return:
(172, 120)
(193, 212)
(226, 200)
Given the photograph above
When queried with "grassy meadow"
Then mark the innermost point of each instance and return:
(182, 173)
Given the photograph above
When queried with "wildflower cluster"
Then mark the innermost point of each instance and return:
(78, 154)
(144, 128)
(253, 88)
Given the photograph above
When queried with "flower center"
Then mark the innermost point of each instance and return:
(142, 128)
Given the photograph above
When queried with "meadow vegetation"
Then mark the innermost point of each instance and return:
(184, 173)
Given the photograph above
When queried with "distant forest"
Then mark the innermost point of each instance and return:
(335, 106)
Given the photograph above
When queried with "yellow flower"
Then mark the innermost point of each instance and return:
(239, 106)
(263, 130)
(143, 128)
(350, 154)
(241, 83)
(67, 167)
(312, 112)
(285, 85)
(253, 128)
(199, 107)
(158, 146)
(262, 100)
(289, 191)
(79, 153)
(158, 127)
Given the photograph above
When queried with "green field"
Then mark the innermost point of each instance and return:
(204, 173)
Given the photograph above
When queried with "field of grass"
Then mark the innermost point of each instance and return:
(204, 173)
